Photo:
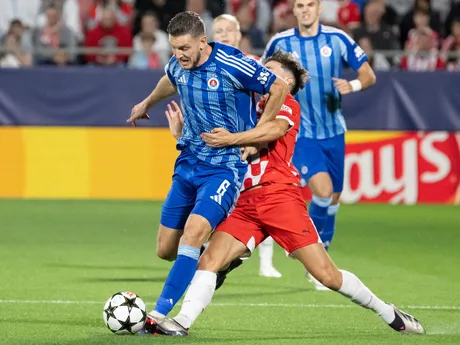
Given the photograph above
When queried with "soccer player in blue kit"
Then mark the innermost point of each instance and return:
(216, 83)
(320, 150)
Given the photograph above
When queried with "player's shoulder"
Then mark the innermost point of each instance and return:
(337, 33)
(291, 105)
(172, 66)
(286, 34)
(232, 60)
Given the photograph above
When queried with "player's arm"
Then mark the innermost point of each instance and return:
(277, 95)
(266, 132)
(163, 90)
(356, 58)
(366, 78)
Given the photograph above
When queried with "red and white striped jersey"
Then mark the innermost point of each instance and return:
(273, 162)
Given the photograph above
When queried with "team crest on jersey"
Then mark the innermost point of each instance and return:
(326, 51)
(213, 83)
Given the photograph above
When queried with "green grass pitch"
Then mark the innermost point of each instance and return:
(61, 260)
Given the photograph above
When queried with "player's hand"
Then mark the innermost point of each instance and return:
(218, 137)
(175, 119)
(139, 112)
(247, 151)
(343, 86)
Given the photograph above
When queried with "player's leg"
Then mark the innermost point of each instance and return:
(217, 192)
(310, 161)
(266, 259)
(335, 161)
(297, 235)
(237, 235)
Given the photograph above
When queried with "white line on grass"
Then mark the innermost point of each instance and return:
(267, 305)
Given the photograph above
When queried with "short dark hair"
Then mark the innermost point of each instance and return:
(186, 23)
(288, 62)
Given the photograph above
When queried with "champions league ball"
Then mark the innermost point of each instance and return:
(124, 313)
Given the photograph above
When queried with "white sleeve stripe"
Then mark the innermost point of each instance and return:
(234, 66)
(235, 63)
(330, 30)
(291, 123)
(239, 61)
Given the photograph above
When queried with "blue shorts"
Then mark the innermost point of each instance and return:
(200, 188)
(312, 156)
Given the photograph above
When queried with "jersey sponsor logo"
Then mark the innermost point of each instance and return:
(263, 77)
(326, 51)
(182, 79)
(213, 83)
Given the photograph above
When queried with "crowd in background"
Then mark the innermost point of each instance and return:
(426, 34)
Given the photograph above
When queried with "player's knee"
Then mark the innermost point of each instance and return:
(196, 231)
(166, 253)
(324, 192)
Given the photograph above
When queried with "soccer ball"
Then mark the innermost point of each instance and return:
(124, 313)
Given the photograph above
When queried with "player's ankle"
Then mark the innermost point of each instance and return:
(183, 320)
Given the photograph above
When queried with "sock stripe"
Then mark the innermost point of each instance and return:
(189, 251)
(332, 210)
(321, 202)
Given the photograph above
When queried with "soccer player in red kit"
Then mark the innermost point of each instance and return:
(226, 29)
(271, 204)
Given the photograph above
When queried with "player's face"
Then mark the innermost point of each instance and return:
(277, 68)
(307, 12)
(187, 49)
(225, 31)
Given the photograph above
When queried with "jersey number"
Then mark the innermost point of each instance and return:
(220, 192)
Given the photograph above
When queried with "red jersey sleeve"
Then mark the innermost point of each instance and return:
(290, 111)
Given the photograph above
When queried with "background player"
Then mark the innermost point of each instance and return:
(320, 150)
(226, 29)
(272, 205)
(216, 85)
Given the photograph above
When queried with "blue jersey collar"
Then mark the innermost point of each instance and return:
(297, 33)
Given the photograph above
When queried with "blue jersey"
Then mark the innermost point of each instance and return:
(219, 93)
(323, 56)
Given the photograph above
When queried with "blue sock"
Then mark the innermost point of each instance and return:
(179, 278)
(318, 212)
(329, 226)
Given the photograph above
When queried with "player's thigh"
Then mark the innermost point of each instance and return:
(221, 250)
(310, 161)
(284, 216)
(168, 242)
(217, 195)
(334, 151)
(318, 263)
(178, 204)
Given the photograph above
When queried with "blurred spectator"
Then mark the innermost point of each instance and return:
(54, 34)
(109, 35)
(259, 10)
(423, 57)
(165, 10)
(402, 7)
(70, 13)
(248, 27)
(422, 26)
(24, 36)
(145, 58)
(377, 61)
(12, 56)
(407, 22)
(348, 16)
(150, 25)
(390, 16)
(454, 13)
(216, 7)
(380, 34)
(123, 12)
(329, 15)
(451, 45)
(283, 16)
(245, 44)
(199, 6)
(24, 10)
(443, 7)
